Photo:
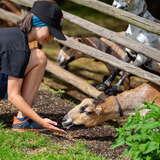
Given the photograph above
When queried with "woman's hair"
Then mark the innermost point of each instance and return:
(25, 24)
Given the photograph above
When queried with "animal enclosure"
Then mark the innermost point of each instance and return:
(98, 139)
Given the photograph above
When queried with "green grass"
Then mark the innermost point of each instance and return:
(32, 146)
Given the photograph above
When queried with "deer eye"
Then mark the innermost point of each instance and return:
(89, 113)
(82, 109)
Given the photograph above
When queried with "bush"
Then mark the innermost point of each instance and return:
(141, 135)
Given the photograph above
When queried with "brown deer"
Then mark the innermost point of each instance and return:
(91, 113)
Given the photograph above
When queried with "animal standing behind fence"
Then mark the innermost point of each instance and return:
(138, 7)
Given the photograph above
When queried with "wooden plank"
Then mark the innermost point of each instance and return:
(9, 16)
(121, 14)
(106, 58)
(11, 7)
(27, 3)
(69, 90)
(72, 79)
(110, 35)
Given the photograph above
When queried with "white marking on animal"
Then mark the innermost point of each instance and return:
(139, 7)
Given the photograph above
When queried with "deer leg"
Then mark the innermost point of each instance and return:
(107, 81)
(116, 88)
(139, 61)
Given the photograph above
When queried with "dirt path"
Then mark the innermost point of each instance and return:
(98, 139)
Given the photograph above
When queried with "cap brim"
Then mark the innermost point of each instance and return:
(57, 34)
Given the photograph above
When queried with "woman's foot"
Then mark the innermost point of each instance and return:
(22, 124)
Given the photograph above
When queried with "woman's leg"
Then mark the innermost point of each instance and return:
(33, 76)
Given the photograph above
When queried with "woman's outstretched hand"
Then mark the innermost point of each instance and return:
(51, 125)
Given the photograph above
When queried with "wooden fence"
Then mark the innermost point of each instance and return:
(125, 41)
(121, 14)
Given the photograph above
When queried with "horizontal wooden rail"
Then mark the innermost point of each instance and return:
(72, 79)
(27, 3)
(121, 14)
(9, 16)
(70, 42)
(110, 35)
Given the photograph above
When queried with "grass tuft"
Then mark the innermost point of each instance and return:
(29, 145)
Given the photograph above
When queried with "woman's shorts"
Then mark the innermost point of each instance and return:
(3, 86)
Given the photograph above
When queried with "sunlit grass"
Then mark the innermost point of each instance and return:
(29, 145)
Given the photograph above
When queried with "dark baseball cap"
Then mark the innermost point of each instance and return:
(50, 13)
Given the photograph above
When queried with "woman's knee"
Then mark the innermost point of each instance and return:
(39, 57)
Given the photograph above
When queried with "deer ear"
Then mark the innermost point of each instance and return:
(87, 101)
(98, 110)
(100, 99)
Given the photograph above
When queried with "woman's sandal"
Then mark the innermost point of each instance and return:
(24, 124)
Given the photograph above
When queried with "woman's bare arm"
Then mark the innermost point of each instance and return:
(14, 96)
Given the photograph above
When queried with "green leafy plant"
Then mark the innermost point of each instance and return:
(141, 135)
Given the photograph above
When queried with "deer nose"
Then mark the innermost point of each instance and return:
(67, 122)
(65, 118)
